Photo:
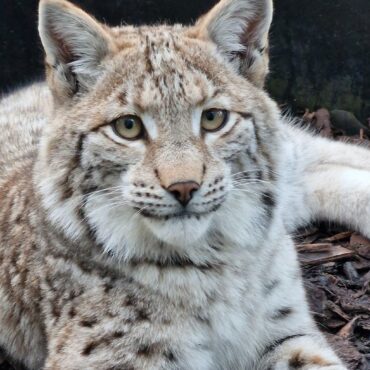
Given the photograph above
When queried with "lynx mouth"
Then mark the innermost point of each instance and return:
(183, 215)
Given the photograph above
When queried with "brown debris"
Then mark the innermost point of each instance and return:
(337, 277)
(357, 239)
(348, 329)
(313, 248)
(338, 237)
(339, 290)
(350, 272)
(361, 245)
(336, 264)
(348, 351)
(314, 254)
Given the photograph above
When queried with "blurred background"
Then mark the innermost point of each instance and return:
(320, 55)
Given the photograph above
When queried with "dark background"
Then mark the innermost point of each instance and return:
(320, 48)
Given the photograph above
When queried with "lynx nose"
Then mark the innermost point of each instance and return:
(183, 191)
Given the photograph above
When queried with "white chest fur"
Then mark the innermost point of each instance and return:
(218, 313)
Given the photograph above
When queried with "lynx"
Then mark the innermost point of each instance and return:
(148, 192)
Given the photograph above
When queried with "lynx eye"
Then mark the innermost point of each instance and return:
(128, 127)
(214, 119)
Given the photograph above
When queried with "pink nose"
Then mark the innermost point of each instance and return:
(183, 191)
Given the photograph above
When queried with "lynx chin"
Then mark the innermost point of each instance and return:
(147, 193)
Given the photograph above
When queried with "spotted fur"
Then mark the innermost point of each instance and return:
(101, 267)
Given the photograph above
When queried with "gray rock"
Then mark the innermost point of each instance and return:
(347, 122)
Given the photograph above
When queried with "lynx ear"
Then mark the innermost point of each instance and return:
(75, 45)
(240, 29)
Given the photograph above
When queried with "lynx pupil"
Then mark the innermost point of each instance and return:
(129, 123)
(211, 115)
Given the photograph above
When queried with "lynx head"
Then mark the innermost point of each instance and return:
(161, 137)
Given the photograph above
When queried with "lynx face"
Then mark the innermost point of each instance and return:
(155, 133)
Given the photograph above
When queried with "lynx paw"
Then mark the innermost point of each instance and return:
(304, 361)
(286, 366)
(305, 352)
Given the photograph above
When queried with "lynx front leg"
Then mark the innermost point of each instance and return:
(114, 325)
(107, 344)
(103, 332)
(301, 352)
(328, 181)
(113, 345)
(290, 339)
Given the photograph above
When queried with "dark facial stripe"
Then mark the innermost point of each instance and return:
(263, 151)
(238, 120)
(74, 164)
(261, 168)
(90, 230)
(268, 199)
(257, 134)
(245, 115)
(148, 51)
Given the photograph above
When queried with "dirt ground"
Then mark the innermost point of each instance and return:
(336, 269)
